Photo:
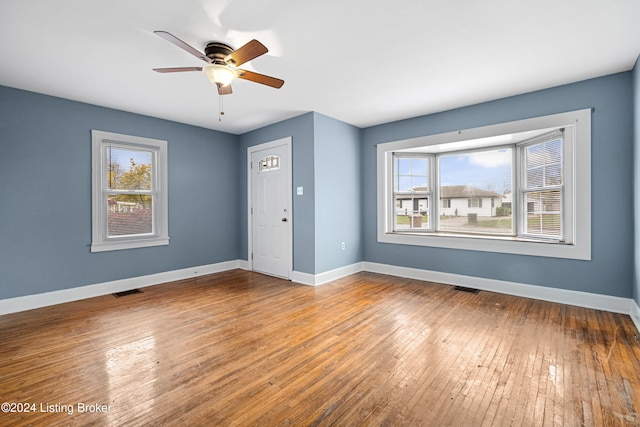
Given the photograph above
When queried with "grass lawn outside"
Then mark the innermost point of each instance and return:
(545, 224)
(404, 219)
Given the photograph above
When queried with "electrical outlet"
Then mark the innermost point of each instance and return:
(343, 246)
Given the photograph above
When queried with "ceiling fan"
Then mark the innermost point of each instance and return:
(223, 60)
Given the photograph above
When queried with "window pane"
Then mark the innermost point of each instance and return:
(411, 212)
(403, 166)
(553, 152)
(553, 175)
(128, 169)
(475, 190)
(268, 164)
(403, 183)
(543, 164)
(535, 156)
(129, 214)
(419, 183)
(543, 213)
(535, 177)
(419, 167)
(411, 174)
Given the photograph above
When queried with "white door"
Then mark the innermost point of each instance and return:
(270, 208)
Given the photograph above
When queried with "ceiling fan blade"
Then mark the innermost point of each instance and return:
(176, 69)
(182, 45)
(224, 90)
(245, 53)
(260, 78)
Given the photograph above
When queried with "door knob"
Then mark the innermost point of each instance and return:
(284, 219)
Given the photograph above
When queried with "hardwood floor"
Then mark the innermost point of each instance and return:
(239, 348)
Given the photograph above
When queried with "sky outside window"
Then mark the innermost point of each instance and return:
(411, 173)
(487, 170)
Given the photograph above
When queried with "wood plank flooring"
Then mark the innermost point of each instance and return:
(239, 348)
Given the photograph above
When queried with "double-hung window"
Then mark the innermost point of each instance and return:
(129, 197)
(412, 191)
(520, 187)
(541, 188)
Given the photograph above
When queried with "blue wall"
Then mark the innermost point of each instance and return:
(338, 207)
(326, 163)
(611, 269)
(45, 195)
(45, 192)
(300, 129)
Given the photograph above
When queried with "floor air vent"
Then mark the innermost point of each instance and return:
(125, 293)
(463, 289)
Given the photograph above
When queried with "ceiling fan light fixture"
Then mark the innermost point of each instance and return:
(220, 75)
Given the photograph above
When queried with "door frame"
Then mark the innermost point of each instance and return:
(289, 197)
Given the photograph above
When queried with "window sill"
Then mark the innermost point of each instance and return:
(129, 244)
(498, 244)
(483, 236)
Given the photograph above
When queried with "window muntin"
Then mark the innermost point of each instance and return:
(576, 207)
(129, 198)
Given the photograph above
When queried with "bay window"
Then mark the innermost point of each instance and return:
(519, 187)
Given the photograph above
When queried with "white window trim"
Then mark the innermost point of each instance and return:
(579, 169)
(99, 240)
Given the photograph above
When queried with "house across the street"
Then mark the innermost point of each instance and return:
(455, 200)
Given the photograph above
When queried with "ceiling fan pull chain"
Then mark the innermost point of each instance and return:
(220, 108)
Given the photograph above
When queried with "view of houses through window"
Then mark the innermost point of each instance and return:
(520, 187)
(475, 188)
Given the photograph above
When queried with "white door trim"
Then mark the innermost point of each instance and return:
(250, 150)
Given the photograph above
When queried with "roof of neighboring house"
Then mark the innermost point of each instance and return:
(461, 192)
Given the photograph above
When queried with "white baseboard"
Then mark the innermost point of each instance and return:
(635, 314)
(582, 299)
(563, 296)
(327, 276)
(303, 278)
(29, 302)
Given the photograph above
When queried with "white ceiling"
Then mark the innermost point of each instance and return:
(364, 62)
